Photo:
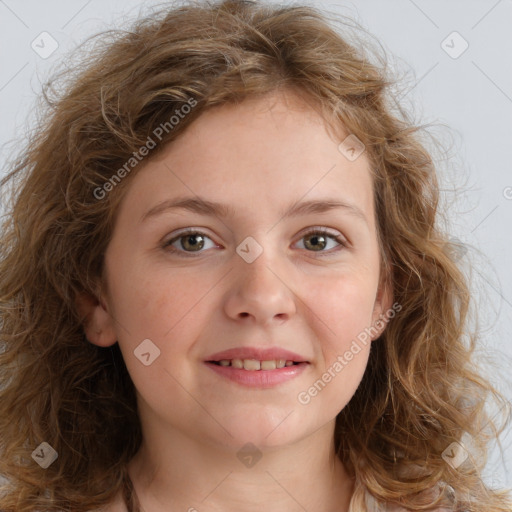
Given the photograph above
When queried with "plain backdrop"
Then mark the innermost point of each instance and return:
(453, 57)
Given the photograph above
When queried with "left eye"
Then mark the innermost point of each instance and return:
(192, 241)
(320, 237)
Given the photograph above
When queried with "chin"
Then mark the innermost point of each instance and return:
(264, 430)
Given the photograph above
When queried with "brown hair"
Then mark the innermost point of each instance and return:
(421, 390)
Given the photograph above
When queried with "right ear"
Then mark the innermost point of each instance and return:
(97, 322)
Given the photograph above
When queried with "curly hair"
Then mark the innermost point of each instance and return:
(422, 389)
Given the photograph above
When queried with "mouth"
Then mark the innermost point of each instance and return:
(257, 374)
(256, 358)
(257, 365)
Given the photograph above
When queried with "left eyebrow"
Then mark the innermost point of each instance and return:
(205, 207)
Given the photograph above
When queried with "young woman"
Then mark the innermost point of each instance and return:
(223, 285)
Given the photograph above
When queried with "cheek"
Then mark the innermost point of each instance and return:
(342, 313)
(154, 304)
(168, 310)
(333, 387)
(171, 310)
(342, 308)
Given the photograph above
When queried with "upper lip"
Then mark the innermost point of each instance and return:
(259, 354)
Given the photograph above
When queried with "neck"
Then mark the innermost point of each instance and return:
(186, 474)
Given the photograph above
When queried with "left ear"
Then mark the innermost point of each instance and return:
(382, 306)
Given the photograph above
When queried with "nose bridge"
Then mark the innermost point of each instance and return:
(254, 276)
(257, 288)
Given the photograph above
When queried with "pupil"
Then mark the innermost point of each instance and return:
(315, 239)
(189, 240)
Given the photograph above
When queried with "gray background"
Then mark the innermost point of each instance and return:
(466, 97)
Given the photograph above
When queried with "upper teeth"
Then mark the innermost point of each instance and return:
(253, 364)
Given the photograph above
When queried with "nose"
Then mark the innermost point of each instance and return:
(259, 292)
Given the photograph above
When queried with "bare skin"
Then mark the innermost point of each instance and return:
(258, 157)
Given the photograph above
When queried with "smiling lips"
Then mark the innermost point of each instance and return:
(255, 367)
(257, 354)
(254, 364)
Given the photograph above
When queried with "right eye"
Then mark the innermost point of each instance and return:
(190, 240)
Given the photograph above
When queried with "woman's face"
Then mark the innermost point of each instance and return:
(259, 276)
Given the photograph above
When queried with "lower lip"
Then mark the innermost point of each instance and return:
(259, 378)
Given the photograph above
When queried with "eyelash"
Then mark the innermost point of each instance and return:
(191, 231)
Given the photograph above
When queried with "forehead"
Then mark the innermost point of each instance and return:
(263, 152)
